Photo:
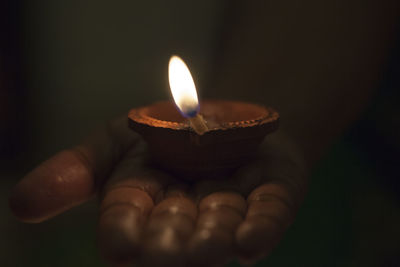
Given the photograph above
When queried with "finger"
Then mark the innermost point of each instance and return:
(169, 227)
(213, 240)
(56, 185)
(71, 176)
(270, 211)
(128, 199)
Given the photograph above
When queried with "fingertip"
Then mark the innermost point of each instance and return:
(56, 185)
(170, 226)
(256, 237)
(119, 233)
(167, 253)
(210, 247)
(165, 239)
(213, 241)
(19, 207)
(23, 208)
(124, 212)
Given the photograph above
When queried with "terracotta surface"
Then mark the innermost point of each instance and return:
(235, 131)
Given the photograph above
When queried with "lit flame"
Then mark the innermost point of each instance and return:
(182, 87)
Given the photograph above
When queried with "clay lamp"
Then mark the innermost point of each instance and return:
(194, 143)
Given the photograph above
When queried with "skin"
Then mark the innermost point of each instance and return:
(322, 78)
(144, 212)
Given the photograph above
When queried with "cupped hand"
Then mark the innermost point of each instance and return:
(152, 219)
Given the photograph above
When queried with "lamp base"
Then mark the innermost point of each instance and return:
(235, 130)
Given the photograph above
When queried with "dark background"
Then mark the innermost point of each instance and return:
(66, 67)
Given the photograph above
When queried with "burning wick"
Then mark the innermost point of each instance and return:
(184, 93)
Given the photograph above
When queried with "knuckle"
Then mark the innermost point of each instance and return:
(273, 210)
(176, 205)
(222, 218)
(227, 199)
(128, 196)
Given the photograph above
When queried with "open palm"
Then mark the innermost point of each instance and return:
(150, 218)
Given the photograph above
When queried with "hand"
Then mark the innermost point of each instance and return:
(151, 218)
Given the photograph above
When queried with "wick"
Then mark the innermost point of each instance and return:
(198, 124)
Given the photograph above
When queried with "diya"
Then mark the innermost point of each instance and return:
(194, 143)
